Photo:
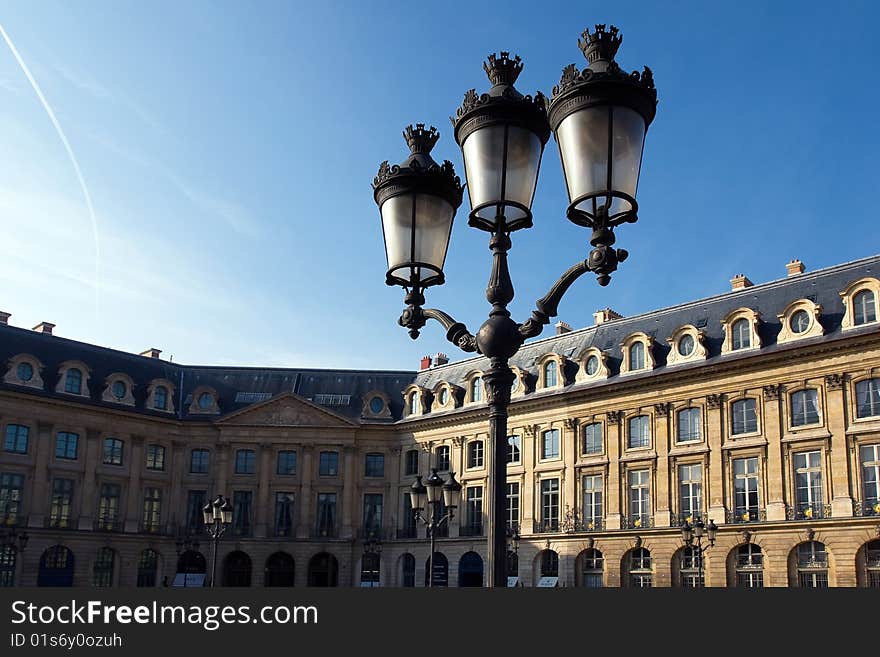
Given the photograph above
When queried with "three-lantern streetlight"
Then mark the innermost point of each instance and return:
(217, 517)
(691, 534)
(432, 496)
(599, 117)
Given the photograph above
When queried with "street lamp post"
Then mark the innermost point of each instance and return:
(599, 117)
(692, 535)
(371, 559)
(430, 494)
(218, 517)
(11, 540)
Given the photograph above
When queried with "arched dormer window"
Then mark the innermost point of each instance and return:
(160, 396)
(550, 370)
(741, 331)
(800, 320)
(24, 370)
(73, 376)
(477, 389)
(860, 303)
(518, 387)
(637, 356)
(686, 345)
(446, 396)
(414, 400)
(73, 381)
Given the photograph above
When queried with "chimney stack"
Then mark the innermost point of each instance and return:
(740, 282)
(795, 267)
(562, 327)
(44, 327)
(426, 363)
(152, 352)
(440, 359)
(4, 317)
(605, 315)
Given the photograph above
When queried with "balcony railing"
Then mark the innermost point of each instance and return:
(407, 532)
(325, 532)
(808, 511)
(550, 526)
(374, 533)
(637, 522)
(746, 515)
(59, 523)
(155, 528)
(867, 508)
(285, 531)
(471, 529)
(108, 525)
(690, 517)
(574, 522)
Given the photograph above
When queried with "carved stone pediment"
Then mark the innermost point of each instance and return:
(286, 410)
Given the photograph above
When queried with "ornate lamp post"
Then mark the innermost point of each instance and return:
(432, 493)
(691, 534)
(371, 559)
(11, 544)
(599, 117)
(218, 517)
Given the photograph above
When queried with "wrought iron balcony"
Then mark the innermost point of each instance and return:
(574, 523)
(746, 515)
(108, 525)
(404, 533)
(284, 531)
(374, 533)
(690, 517)
(867, 508)
(154, 528)
(550, 526)
(471, 529)
(637, 522)
(325, 532)
(807, 511)
(62, 522)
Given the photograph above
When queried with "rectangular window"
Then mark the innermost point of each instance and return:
(513, 504)
(474, 512)
(283, 514)
(804, 407)
(108, 507)
(639, 498)
(372, 514)
(112, 451)
(199, 461)
(592, 509)
(745, 489)
(690, 492)
(155, 457)
(592, 439)
(374, 465)
(195, 502)
(286, 464)
(442, 457)
(808, 484)
(550, 444)
(152, 510)
(513, 449)
(62, 501)
(550, 504)
(870, 458)
(688, 425)
(639, 432)
(242, 506)
(744, 416)
(66, 445)
(868, 398)
(475, 454)
(11, 487)
(408, 519)
(328, 464)
(16, 440)
(245, 461)
(326, 516)
(411, 465)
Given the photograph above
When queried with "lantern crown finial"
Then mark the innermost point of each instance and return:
(601, 44)
(419, 139)
(502, 69)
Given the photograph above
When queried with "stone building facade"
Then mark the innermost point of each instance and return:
(758, 409)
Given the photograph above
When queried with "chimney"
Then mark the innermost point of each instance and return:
(795, 267)
(152, 352)
(605, 315)
(440, 359)
(740, 282)
(4, 317)
(426, 363)
(562, 327)
(44, 327)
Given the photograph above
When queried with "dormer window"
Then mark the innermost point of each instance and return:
(741, 330)
(206, 400)
(160, 398)
(24, 372)
(443, 397)
(742, 336)
(119, 389)
(413, 407)
(73, 378)
(800, 320)
(550, 370)
(860, 303)
(686, 345)
(592, 365)
(73, 381)
(477, 389)
(637, 356)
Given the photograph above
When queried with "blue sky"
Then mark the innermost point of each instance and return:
(228, 149)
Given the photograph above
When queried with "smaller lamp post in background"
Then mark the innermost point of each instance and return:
(218, 517)
(513, 554)
(371, 561)
(11, 545)
(692, 534)
(429, 496)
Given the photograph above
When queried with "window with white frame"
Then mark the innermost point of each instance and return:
(592, 501)
(592, 438)
(639, 488)
(512, 504)
(688, 425)
(514, 450)
(16, 439)
(592, 564)
(475, 454)
(112, 451)
(550, 371)
(73, 381)
(745, 489)
(477, 389)
(639, 434)
(868, 398)
(640, 568)
(690, 492)
(741, 335)
(550, 504)
(689, 568)
(441, 457)
(812, 563)
(550, 444)
(869, 455)
(474, 511)
(804, 407)
(413, 406)
(749, 566)
(636, 356)
(864, 308)
(808, 484)
(744, 416)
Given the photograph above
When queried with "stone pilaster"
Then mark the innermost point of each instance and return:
(616, 495)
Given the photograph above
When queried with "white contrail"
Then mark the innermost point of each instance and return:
(63, 137)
